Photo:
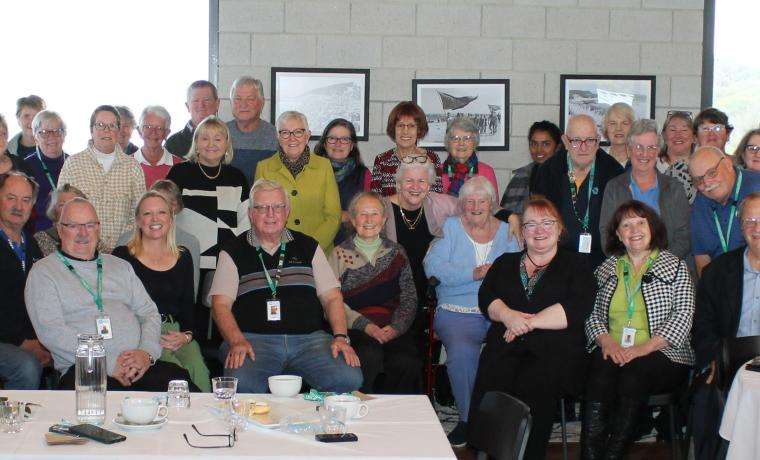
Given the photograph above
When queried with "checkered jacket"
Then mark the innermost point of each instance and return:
(669, 300)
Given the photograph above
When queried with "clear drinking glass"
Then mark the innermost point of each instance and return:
(178, 394)
(12, 416)
(224, 387)
(332, 419)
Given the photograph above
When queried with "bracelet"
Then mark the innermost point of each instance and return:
(343, 336)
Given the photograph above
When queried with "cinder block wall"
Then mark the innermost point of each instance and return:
(531, 42)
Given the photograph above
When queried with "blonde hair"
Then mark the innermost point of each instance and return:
(134, 245)
(211, 122)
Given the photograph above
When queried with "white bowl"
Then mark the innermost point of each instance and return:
(285, 385)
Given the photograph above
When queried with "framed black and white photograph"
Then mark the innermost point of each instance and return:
(486, 101)
(594, 94)
(323, 95)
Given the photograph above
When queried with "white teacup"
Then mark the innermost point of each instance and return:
(142, 410)
(355, 408)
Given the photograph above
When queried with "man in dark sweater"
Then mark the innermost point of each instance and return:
(22, 356)
(202, 101)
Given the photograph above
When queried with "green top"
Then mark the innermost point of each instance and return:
(620, 316)
(368, 249)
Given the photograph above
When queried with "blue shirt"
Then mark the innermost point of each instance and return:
(704, 234)
(648, 197)
(749, 321)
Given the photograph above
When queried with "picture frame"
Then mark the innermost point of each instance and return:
(322, 94)
(594, 94)
(486, 100)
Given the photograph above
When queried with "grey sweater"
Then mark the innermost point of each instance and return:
(60, 308)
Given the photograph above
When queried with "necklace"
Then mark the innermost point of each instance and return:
(411, 225)
(207, 176)
(538, 267)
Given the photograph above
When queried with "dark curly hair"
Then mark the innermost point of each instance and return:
(636, 208)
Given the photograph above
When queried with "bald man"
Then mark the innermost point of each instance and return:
(721, 186)
(574, 180)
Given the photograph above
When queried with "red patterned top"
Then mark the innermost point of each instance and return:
(384, 172)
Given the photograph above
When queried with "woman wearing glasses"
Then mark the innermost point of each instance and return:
(308, 179)
(340, 145)
(537, 305)
(747, 154)
(638, 332)
(616, 124)
(462, 139)
(460, 260)
(673, 160)
(407, 124)
(642, 182)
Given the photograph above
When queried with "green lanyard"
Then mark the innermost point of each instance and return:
(725, 239)
(574, 191)
(96, 296)
(630, 296)
(273, 284)
(46, 170)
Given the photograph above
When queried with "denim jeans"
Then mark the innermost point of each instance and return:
(307, 355)
(19, 368)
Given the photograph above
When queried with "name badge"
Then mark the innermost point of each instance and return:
(103, 326)
(584, 243)
(629, 337)
(273, 310)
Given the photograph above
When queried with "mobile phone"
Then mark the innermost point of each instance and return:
(96, 433)
(345, 437)
(61, 429)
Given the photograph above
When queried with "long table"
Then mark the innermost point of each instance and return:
(741, 416)
(397, 427)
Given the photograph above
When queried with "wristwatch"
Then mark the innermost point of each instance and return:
(344, 336)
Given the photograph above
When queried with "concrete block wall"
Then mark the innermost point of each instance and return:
(531, 42)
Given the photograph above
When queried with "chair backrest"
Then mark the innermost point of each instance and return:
(737, 351)
(500, 426)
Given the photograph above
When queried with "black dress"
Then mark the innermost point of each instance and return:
(415, 242)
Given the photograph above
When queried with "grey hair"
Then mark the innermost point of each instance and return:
(751, 197)
(465, 124)
(246, 80)
(32, 183)
(644, 126)
(369, 194)
(404, 167)
(158, 110)
(55, 196)
(125, 114)
(266, 185)
(291, 114)
(478, 184)
(79, 200)
(43, 116)
(621, 108)
(170, 188)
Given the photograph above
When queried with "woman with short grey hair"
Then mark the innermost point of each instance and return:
(462, 140)
(155, 160)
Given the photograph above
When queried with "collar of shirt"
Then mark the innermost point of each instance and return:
(253, 240)
(166, 158)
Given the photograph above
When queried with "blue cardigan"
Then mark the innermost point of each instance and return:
(451, 259)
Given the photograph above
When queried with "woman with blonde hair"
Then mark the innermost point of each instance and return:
(616, 125)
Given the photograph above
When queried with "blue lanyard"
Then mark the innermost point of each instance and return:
(18, 249)
(726, 239)
(97, 296)
(574, 191)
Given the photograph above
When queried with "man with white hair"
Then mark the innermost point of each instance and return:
(278, 304)
(253, 139)
(721, 186)
(155, 160)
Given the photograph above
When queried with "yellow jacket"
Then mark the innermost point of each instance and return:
(314, 200)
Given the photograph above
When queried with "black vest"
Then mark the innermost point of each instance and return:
(301, 310)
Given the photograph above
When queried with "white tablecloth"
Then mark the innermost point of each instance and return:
(396, 427)
(741, 417)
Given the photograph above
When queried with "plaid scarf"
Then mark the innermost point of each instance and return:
(295, 167)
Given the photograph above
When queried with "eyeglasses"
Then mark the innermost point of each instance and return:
(754, 149)
(421, 159)
(546, 224)
(89, 226)
(297, 133)
(711, 173)
(750, 222)
(106, 127)
(153, 128)
(51, 132)
(406, 125)
(717, 129)
(577, 142)
(265, 208)
(467, 138)
(231, 438)
(334, 140)
(646, 148)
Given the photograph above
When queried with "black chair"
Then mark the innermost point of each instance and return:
(500, 427)
(735, 352)
(432, 342)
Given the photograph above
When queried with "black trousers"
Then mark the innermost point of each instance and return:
(640, 378)
(155, 379)
(390, 368)
(536, 380)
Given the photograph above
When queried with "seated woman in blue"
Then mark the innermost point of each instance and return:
(460, 261)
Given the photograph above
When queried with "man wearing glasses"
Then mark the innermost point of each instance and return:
(112, 180)
(721, 187)
(278, 304)
(253, 139)
(574, 180)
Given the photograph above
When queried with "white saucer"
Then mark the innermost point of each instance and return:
(125, 425)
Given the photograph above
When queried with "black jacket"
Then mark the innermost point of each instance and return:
(15, 326)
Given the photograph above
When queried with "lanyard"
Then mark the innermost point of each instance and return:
(96, 296)
(46, 170)
(574, 191)
(726, 239)
(18, 249)
(273, 284)
(630, 296)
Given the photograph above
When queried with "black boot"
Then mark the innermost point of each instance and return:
(623, 428)
(594, 429)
